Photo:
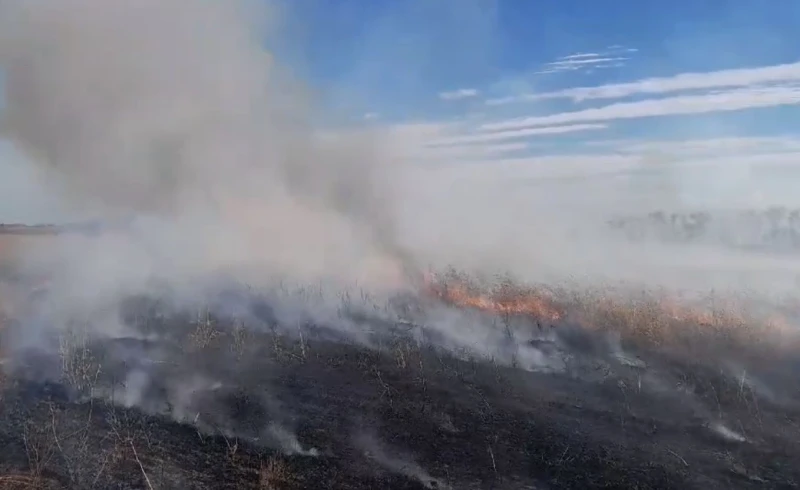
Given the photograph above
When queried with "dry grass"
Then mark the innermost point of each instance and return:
(650, 318)
(656, 318)
(26, 482)
(79, 367)
(662, 320)
(275, 474)
(240, 338)
(205, 333)
(653, 319)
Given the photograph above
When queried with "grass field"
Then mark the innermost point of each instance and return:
(463, 384)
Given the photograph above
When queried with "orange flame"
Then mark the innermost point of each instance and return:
(508, 300)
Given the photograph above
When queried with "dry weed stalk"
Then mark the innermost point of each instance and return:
(205, 332)
(39, 448)
(80, 369)
(240, 338)
(27, 482)
(276, 475)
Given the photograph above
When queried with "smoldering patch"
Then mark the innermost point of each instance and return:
(394, 460)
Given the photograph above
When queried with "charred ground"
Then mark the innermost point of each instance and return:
(194, 399)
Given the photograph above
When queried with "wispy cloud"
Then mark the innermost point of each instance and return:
(578, 64)
(541, 167)
(588, 166)
(527, 150)
(740, 77)
(578, 56)
(714, 146)
(442, 142)
(466, 152)
(618, 48)
(449, 141)
(464, 93)
(516, 133)
(611, 58)
(731, 100)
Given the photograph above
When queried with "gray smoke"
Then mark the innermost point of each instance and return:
(173, 112)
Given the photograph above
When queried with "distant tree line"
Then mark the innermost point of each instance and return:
(776, 228)
(86, 227)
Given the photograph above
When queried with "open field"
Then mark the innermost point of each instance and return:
(461, 384)
(398, 245)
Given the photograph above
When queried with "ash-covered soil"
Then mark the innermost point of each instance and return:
(181, 402)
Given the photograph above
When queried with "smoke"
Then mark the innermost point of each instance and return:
(173, 113)
(173, 116)
(395, 460)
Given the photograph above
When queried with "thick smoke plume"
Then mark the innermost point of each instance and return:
(171, 118)
(173, 113)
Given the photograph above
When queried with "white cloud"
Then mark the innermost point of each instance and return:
(465, 152)
(463, 93)
(713, 146)
(423, 142)
(578, 56)
(623, 49)
(568, 64)
(539, 167)
(418, 132)
(680, 105)
(608, 174)
(502, 100)
(516, 133)
(605, 181)
(586, 61)
(740, 77)
(432, 134)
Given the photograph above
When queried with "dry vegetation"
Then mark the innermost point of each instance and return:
(472, 421)
(646, 318)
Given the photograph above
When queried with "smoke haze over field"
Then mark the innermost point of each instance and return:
(279, 275)
(173, 112)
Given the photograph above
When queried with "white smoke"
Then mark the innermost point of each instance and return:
(174, 113)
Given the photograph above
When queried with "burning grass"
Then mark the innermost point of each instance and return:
(472, 420)
(502, 298)
(652, 318)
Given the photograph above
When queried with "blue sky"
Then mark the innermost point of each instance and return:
(398, 55)
(560, 88)
(566, 87)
